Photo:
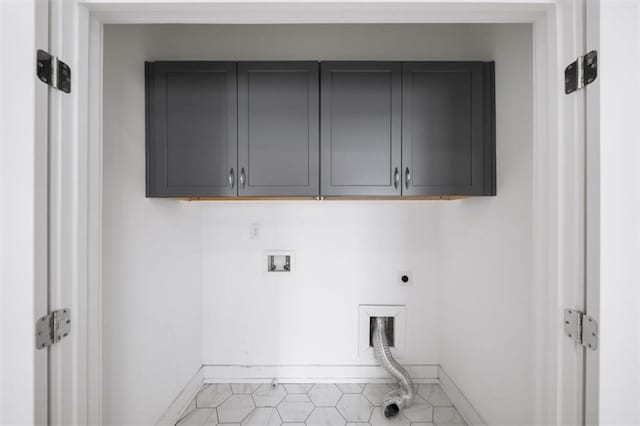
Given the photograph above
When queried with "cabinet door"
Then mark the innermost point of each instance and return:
(278, 129)
(361, 128)
(191, 129)
(448, 145)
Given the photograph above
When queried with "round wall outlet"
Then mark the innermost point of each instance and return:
(406, 278)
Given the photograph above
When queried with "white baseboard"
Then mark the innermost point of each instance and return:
(462, 404)
(312, 373)
(179, 405)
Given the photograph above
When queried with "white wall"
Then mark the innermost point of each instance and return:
(151, 260)
(486, 258)
(347, 253)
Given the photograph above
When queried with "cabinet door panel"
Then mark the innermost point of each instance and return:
(361, 128)
(278, 128)
(443, 139)
(191, 130)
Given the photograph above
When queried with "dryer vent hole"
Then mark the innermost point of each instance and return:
(389, 330)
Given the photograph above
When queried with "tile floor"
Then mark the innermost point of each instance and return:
(314, 405)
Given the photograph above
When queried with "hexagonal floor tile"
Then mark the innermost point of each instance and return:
(355, 408)
(235, 408)
(262, 417)
(447, 415)
(325, 416)
(269, 396)
(325, 395)
(199, 417)
(350, 387)
(434, 394)
(298, 387)
(375, 392)
(240, 388)
(419, 411)
(378, 419)
(295, 408)
(213, 395)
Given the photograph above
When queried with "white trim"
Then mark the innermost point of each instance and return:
(179, 405)
(593, 208)
(41, 209)
(462, 404)
(543, 281)
(305, 12)
(312, 373)
(567, 211)
(93, 233)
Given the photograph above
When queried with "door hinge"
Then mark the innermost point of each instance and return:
(581, 328)
(53, 72)
(581, 72)
(52, 328)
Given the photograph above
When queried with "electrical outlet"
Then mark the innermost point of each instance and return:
(254, 231)
(405, 278)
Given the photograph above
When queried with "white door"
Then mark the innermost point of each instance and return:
(23, 211)
(600, 121)
(599, 247)
(613, 213)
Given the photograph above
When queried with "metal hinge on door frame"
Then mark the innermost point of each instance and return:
(581, 72)
(581, 328)
(53, 72)
(52, 328)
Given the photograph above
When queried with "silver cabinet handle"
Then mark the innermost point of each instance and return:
(232, 178)
(407, 178)
(242, 177)
(396, 178)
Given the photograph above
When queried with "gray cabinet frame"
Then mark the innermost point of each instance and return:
(164, 173)
(470, 151)
(361, 101)
(278, 147)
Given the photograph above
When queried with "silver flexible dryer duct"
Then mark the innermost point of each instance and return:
(401, 398)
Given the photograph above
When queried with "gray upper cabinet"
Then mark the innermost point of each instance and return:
(448, 137)
(308, 129)
(278, 131)
(191, 129)
(361, 128)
